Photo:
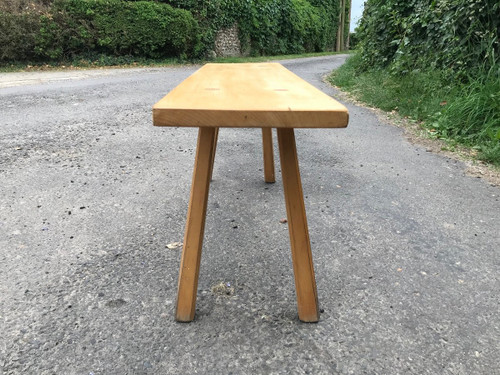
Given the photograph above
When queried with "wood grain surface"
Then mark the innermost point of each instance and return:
(248, 95)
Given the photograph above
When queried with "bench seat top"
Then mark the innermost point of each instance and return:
(248, 95)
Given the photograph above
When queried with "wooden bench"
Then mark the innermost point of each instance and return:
(262, 95)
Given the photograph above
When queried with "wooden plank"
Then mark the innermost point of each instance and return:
(195, 226)
(303, 268)
(268, 154)
(248, 95)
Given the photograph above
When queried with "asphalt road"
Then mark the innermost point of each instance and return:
(406, 246)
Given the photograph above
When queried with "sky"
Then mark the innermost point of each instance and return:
(356, 12)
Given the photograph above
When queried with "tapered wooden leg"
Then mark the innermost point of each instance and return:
(305, 283)
(213, 152)
(195, 225)
(267, 147)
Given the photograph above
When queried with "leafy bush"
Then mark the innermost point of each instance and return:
(272, 26)
(306, 27)
(17, 35)
(62, 34)
(353, 40)
(459, 36)
(465, 113)
(329, 13)
(269, 26)
(62, 29)
(116, 27)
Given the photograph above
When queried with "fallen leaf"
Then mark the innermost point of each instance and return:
(174, 245)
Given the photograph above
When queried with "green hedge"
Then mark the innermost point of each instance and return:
(436, 61)
(117, 27)
(459, 36)
(113, 27)
(156, 29)
(275, 26)
(268, 26)
(18, 34)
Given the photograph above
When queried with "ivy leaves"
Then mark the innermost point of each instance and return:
(457, 36)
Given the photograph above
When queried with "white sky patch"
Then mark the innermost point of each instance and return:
(356, 13)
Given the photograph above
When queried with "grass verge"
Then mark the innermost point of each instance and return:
(466, 114)
(104, 61)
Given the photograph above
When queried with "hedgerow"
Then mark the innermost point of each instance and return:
(18, 33)
(436, 61)
(458, 36)
(116, 27)
(156, 29)
(269, 26)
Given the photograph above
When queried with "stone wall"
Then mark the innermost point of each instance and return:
(227, 42)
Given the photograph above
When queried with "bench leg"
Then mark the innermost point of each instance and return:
(195, 225)
(267, 146)
(213, 152)
(305, 283)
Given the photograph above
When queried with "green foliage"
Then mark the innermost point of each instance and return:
(64, 29)
(415, 94)
(473, 117)
(436, 61)
(182, 4)
(17, 35)
(467, 113)
(293, 26)
(457, 36)
(116, 27)
(329, 13)
(269, 26)
(353, 40)
(62, 34)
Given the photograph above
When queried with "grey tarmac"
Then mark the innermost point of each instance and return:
(93, 199)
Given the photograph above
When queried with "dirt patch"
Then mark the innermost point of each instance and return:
(422, 137)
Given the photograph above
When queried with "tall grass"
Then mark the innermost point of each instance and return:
(468, 114)
(473, 118)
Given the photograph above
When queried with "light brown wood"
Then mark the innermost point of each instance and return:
(195, 226)
(248, 95)
(268, 155)
(303, 268)
(213, 152)
(264, 95)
